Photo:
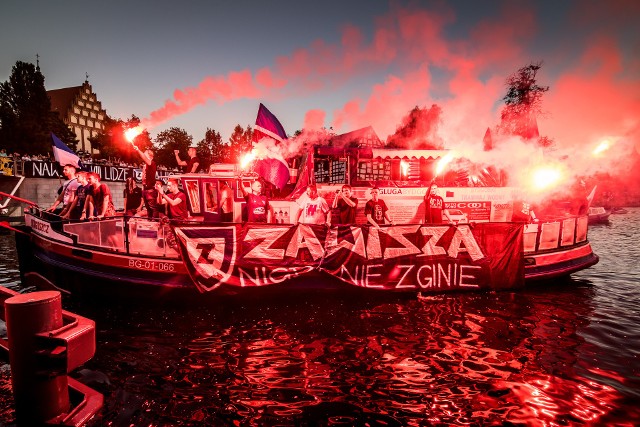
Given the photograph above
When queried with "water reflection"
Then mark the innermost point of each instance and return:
(564, 354)
(452, 359)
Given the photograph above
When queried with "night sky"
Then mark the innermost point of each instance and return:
(199, 64)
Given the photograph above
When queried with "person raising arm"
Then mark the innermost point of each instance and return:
(192, 165)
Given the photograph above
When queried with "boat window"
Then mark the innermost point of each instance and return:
(193, 192)
(211, 197)
(568, 232)
(330, 171)
(374, 170)
(549, 236)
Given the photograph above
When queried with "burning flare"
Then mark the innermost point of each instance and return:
(131, 133)
(246, 159)
(546, 177)
(443, 162)
(405, 168)
(602, 147)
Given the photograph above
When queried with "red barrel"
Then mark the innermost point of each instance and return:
(39, 395)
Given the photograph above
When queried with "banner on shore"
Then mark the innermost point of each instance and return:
(397, 258)
(47, 169)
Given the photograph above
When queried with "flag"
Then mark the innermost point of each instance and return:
(306, 176)
(63, 154)
(276, 171)
(267, 125)
(272, 167)
(591, 196)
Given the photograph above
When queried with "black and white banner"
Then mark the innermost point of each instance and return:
(400, 258)
(46, 169)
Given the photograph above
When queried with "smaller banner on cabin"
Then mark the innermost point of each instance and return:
(396, 258)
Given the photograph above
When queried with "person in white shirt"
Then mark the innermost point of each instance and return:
(313, 208)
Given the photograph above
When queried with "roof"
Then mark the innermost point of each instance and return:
(364, 137)
(395, 153)
(62, 99)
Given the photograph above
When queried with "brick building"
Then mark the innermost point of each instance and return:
(81, 111)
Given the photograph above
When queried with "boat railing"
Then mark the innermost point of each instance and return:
(129, 235)
(555, 234)
(138, 236)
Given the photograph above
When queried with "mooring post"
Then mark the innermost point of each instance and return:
(39, 395)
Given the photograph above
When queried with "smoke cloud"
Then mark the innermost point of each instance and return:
(594, 91)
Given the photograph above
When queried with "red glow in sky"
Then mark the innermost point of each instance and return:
(410, 58)
(340, 64)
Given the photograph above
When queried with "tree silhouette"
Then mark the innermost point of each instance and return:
(26, 119)
(211, 149)
(172, 139)
(111, 142)
(523, 104)
(418, 130)
(239, 143)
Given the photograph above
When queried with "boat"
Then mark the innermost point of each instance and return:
(599, 215)
(619, 210)
(134, 257)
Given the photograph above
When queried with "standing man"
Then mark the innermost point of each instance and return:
(149, 193)
(522, 212)
(346, 205)
(258, 207)
(313, 208)
(68, 193)
(175, 199)
(226, 202)
(434, 207)
(376, 210)
(77, 209)
(132, 197)
(192, 164)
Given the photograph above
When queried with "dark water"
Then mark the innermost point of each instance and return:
(567, 354)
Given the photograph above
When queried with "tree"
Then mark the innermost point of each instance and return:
(112, 142)
(169, 140)
(523, 103)
(418, 130)
(211, 149)
(239, 143)
(26, 119)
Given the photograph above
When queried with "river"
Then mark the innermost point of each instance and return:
(563, 354)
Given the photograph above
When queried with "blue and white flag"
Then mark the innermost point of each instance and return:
(267, 125)
(63, 154)
(272, 167)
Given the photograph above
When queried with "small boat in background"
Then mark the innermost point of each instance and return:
(598, 215)
(618, 210)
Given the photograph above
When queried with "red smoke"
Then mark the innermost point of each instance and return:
(314, 119)
(422, 64)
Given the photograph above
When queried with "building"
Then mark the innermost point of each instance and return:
(365, 137)
(80, 109)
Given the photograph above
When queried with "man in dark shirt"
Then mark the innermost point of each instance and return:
(258, 208)
(149, 193)
(346, 205)
(192, 165)
(522, 212)
(132, 197)
(376, 210)
(77, 209)
(434, 207)
(175, 199)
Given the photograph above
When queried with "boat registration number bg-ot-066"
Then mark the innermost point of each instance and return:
(151, 265)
